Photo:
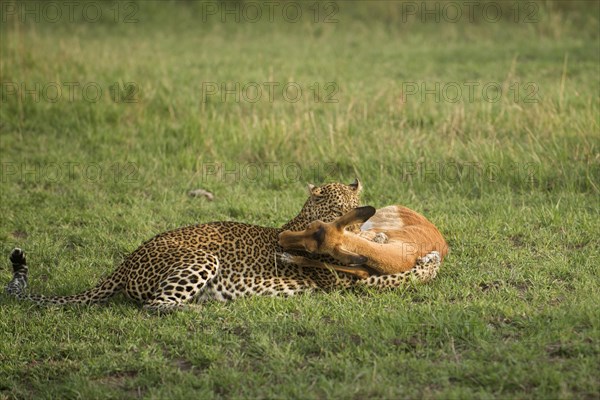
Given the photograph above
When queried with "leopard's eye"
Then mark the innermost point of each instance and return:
(317, 192)
(319, 199)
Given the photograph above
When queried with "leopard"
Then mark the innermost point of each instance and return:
(221, 260)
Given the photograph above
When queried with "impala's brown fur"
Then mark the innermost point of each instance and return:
(392, 240)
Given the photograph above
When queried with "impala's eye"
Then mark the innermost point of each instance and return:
(319, 236)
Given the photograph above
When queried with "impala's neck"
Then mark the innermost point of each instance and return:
(356, 244)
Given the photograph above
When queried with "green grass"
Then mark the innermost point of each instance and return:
(514, 186)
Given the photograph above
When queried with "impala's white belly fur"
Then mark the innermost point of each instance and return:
(385, 219)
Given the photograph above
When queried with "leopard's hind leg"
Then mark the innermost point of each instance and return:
(184, 282)
(427, 267)
(425, 270)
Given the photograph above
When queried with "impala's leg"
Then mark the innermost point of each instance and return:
(359, 271)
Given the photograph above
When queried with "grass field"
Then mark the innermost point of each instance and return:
(488, 125)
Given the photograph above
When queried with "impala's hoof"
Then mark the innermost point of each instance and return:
(286, 258)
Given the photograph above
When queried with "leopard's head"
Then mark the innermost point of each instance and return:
(326, 203)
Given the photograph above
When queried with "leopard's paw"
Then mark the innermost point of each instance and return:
(381, 238)
(433, 257)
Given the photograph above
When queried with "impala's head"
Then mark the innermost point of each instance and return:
(328, 238)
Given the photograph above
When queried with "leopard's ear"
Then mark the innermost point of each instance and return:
(314, 190)
(356, 185)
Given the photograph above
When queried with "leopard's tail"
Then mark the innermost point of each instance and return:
(16, 287)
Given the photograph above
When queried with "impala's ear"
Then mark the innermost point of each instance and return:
(347, 257)
(356, 185)
(357, 215)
